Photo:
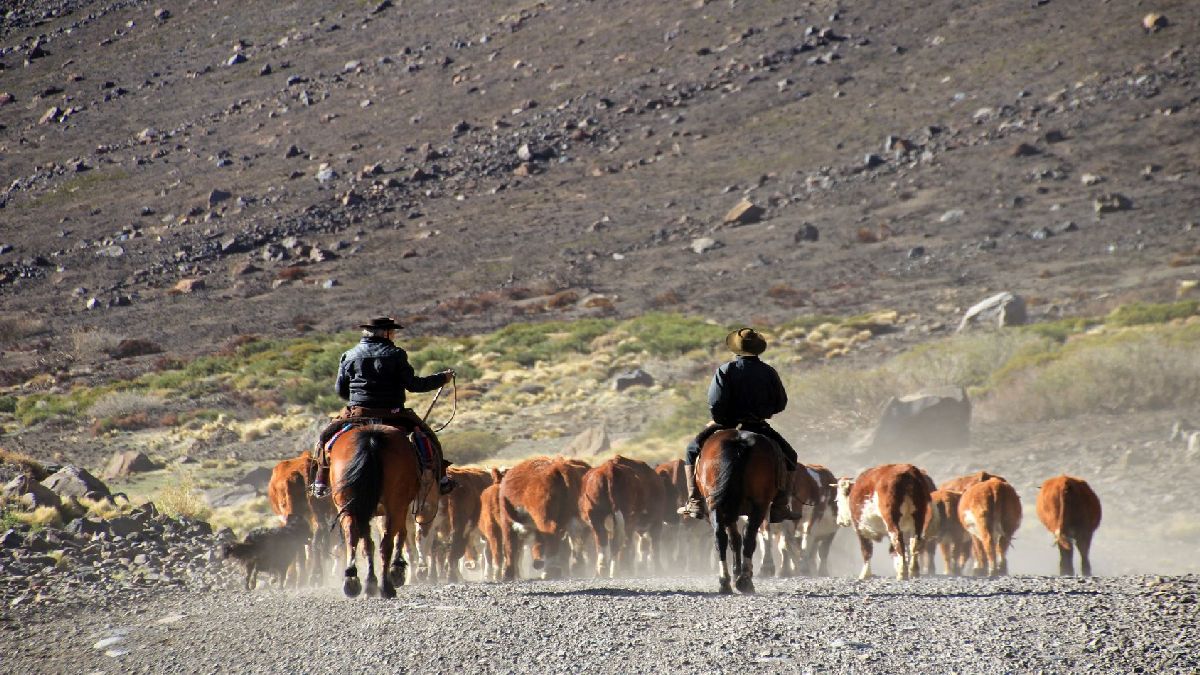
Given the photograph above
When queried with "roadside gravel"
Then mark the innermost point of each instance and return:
(1017, 624)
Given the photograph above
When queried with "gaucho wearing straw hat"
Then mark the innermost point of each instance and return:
(746, 392)
(373, 378)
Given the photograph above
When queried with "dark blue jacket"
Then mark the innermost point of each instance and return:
(376, 373)
(745, 390)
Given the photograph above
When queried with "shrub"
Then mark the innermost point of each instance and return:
(126, 403)
(14, 328)
(132, 422)
(8, 404)
(670, 334)
(471, 446)
(25, 463)
(527, 343)
(1136, 314)
(181, 499)
(92, 344)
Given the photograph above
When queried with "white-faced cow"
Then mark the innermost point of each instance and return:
(888, 500)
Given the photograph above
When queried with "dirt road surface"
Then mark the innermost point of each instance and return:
(1017, 624)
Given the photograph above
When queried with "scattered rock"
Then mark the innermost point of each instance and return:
(217, 196)
(186, 286)
(292, 151)
(325, 173)
(1041, 234)
(236, 59)
(162, 14)
(351, 198)
(916, 252)
(128, 462)
(871, 160)
(1000, 310)
(131, 347)
(256, 478)
(1112, 202)
(50, 115)
(704, 244)
(1154, 22)
(930, 420)
(1023, 150)
(633, 378)
(744, 213)
(73, 481)
(148, 135)
(951, 216)
(807, 232)
(24, 486)
(1054, 136)
(1091, 179)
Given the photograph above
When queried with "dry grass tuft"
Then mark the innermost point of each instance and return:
(91, 344)
(27, 464)
(181, 499)
(127, 403)
(14, 328)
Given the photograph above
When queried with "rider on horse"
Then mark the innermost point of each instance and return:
(744, 393)
(373, 377)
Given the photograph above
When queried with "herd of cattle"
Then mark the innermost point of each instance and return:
(619, 517)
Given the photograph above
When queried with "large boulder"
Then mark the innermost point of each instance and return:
(128, 462)
(233, 495)
(935, 419)
(1000, 310)
(73, 481)
(633, 378)
(591, 442)
(257, 478)
(26, 487)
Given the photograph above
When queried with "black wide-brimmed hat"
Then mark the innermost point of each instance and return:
(381, 323)
(746, 342)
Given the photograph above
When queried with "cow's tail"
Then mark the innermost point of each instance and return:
(363, 479)
(725, 496)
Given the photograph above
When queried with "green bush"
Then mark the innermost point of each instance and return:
(664, 334)
(8, 404)
(1137, 314)
(528, 343)
(471, 446)
(687, 416)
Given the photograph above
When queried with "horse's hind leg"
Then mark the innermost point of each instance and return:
(722, 549)
(745, 580)
(397, 573)
(368, 545)
(351, 586)
(387, 545)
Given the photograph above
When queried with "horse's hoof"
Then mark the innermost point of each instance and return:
(372, 587)
(389, 591)
(745, 585)
(399, 574)
(538, 564)
(352, 587)
(726, 589)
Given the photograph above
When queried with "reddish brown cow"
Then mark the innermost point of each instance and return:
(990, 511)
(539, 496)
(1069, 508)
(288, 493)
(456, 520)
(944, 531)
(612, 499)
(888, 500)
(961, 483)
(489, 527)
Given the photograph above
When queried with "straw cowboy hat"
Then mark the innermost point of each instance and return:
(746, 342)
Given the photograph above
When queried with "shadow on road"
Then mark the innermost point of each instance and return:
(621, 593)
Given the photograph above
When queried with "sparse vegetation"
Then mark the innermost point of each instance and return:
(471, 446)
(181, 499)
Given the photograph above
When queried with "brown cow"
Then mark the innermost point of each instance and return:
(1069, 508)
(613, 494)
(990, 511)
(961, 483)
(456, 520)
(888, 500)
(288, 493)
(684, 542)
(944, 531)
(489, 527)
(540, 496)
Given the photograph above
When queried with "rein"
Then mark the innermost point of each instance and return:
(454, 404)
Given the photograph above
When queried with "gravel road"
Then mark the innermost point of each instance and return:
(1017, 624)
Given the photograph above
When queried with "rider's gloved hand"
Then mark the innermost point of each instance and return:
(449, 375)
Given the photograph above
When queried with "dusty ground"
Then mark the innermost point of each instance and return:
(1021, 624)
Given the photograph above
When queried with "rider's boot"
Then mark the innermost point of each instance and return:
(781, 509)
(695, 502)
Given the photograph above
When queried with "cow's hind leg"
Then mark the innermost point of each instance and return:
(1066, 556)
(899, 554)
(1083, 542)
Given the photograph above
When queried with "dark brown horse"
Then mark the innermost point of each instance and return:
(736, 474)
(374, 468)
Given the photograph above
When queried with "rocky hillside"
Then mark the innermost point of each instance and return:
(178, 175)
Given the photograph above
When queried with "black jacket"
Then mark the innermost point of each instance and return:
(745, 390)
(376, 373)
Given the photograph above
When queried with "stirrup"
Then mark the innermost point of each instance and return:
(694, 508)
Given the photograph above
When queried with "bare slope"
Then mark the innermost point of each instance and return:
(645, 123)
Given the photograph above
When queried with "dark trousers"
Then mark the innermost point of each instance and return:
(762, 428)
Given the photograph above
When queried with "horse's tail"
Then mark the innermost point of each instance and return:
(363, 480)
(726, 495)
